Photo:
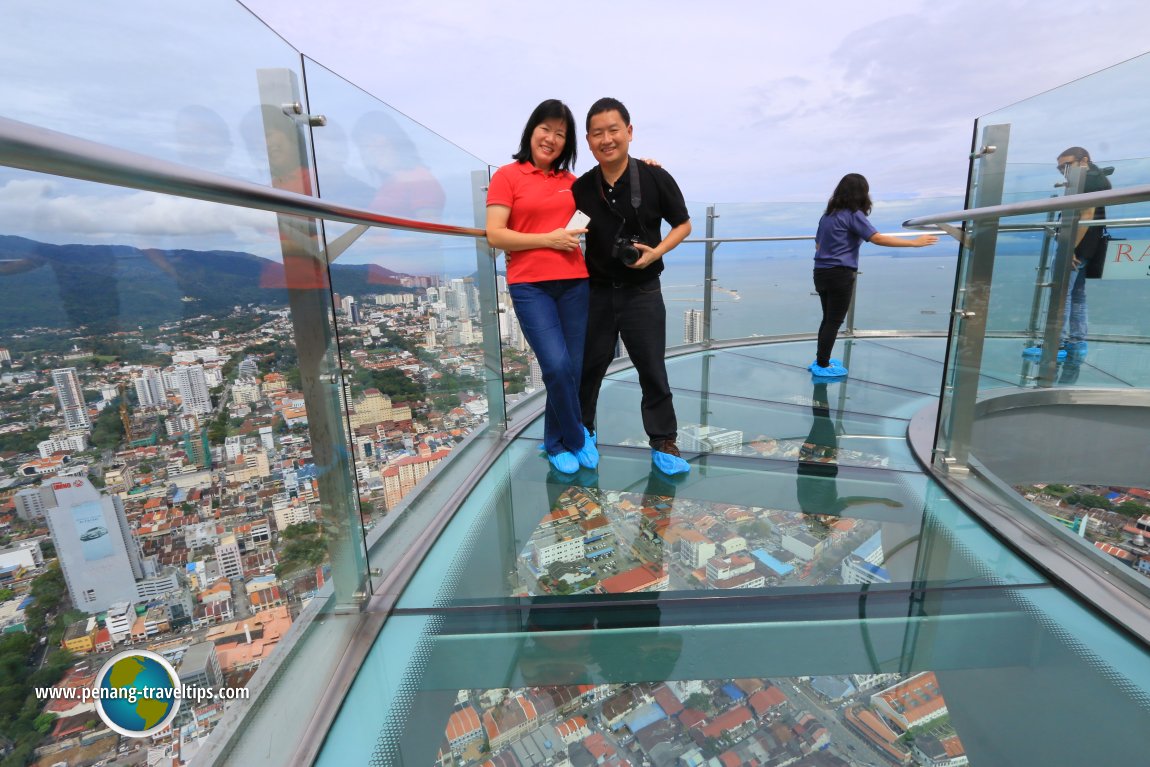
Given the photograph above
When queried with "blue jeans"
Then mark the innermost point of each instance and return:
(1074, 317)
(553, 315)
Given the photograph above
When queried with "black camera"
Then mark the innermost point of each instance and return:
(624, 250)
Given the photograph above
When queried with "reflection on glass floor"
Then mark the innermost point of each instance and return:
(805, 596)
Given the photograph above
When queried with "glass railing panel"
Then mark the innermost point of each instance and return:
(1026, 302)
(772, 285)
(409, 305)
(169, 395)
(683, 283)
(764, 288)
(118, 79)
(778, 372)
(372, 156)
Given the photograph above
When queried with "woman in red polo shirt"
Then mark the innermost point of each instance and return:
(529, 205)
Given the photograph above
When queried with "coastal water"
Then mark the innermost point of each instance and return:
(772, 296)
(775, 295)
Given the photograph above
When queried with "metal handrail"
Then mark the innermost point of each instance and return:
(1139, 193)
(33, 148)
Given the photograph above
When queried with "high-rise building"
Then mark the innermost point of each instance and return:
(535, 374)
(31, 503)
(228, 557)
(71, 398)
(193, 388)
(249, 368)
(150, 388)
(98, 554)
(693, 326)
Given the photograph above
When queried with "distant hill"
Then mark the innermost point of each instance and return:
(109, 287)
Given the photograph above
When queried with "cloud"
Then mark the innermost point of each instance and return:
(50, 209)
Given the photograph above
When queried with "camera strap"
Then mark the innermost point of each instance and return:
(636, 197)
(632, 179)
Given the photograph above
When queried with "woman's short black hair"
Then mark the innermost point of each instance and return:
(550, 109)
(852, 193)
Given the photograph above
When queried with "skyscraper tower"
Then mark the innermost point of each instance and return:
(193, 389)
(150, 388)
(71, 398)
(98, 554)
(693, 326)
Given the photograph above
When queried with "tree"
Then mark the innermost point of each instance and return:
(1133, 509)
(108, 430)
(43, 723)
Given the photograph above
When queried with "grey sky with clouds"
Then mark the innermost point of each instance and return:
(742, 101)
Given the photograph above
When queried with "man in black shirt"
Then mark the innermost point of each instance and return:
(1086, 245)
(627, 202)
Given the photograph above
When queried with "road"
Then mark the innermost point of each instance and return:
(841, 735)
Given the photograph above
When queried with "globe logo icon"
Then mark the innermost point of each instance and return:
(137, 693)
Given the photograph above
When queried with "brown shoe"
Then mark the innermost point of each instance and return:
(665, 455)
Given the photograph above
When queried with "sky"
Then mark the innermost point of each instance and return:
(747, 104)
(740, 100)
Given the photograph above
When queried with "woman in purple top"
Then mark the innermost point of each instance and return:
(842, 229)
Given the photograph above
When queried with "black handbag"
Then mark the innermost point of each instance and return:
(1096, 263)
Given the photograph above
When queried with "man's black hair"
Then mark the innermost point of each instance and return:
(550, 109)
(606, 104)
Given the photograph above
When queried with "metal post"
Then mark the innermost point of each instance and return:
(307, 281)
(708, 275)
(1041, 282)
(1060, 278)
(972, 301)
(489, 309)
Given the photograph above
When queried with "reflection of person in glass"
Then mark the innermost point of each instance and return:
(575, 644)
(280, 140)
(203, 139)
(817, 484)
(405, 187)
(1086, 244)
(529, 205)
(336, 182)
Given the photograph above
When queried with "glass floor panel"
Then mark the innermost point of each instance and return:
(749, 427)
(1107, 365)
(1006, 676)
(805, 604)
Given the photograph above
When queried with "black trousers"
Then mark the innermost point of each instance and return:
(637, 314)
(836, 287)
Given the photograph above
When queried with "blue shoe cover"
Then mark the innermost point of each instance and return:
(588, 457)
(592, 438)
(831, 371)
(1076, 350)
(1036, 351)
(669, 464)
(565, 462)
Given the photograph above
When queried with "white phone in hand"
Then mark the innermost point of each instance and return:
(578, 221)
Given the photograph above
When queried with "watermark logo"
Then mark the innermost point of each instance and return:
(137, 693)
